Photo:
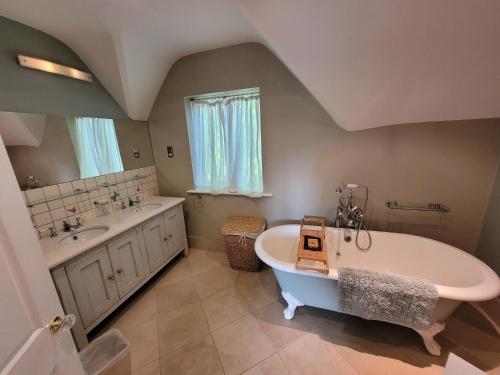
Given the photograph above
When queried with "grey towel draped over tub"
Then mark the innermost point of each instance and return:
(407, 301)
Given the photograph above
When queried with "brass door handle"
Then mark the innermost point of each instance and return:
(111, 277)
(66, 323)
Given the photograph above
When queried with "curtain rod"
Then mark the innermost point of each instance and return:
(226, 94)
(222, 96)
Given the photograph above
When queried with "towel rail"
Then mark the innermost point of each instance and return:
(435, 207)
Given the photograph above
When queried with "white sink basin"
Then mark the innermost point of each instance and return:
(146, 207)
(150, 206)
(84, 235)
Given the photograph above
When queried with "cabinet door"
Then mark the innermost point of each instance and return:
(125, 255)
(175, 229)
(156, 242)
(93, 284)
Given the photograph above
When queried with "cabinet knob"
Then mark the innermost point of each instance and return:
(170, 235)
(165, 238)
(119, 270)
(111, 277)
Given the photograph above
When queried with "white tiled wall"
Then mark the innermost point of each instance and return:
(50, 205)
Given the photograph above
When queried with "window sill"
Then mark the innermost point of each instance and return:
(264, 195)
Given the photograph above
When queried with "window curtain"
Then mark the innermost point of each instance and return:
(95, 144)
(225, 144)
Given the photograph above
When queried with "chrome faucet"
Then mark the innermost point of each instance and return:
(345, 217)
(347, 235)
(67, 227)
(131, 202)
(350, 217)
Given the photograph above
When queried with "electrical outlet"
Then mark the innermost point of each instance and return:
(197, 202)
(136, 153)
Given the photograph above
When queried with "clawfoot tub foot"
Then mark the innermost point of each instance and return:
(293, 303)
(428, 334)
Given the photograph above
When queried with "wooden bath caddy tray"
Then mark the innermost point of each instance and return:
(312, 254)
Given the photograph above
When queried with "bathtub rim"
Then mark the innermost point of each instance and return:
(488, 289)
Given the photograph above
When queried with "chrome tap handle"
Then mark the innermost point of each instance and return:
(66, 226)
(53, 232)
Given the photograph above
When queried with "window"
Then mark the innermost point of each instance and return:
(95, 144)
(225, 142)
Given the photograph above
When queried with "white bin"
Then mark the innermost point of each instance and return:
(109, 354)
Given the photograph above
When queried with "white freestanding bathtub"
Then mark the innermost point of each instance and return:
(457, 275)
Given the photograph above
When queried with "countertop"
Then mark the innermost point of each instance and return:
(118, 221)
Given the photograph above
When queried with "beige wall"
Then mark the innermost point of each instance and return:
(132, 134)
(306, 155)
(488, 248)
(54, 160)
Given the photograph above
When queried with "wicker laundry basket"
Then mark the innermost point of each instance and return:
(240, 234)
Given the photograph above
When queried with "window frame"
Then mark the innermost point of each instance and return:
(214, 95)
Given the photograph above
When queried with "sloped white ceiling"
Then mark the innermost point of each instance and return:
(131, 44)
(369, 63)
(382, 62)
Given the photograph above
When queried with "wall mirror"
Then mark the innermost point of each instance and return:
(47, 150)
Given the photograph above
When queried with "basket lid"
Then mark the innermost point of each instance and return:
(242, 224)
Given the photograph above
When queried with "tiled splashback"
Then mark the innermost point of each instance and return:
(50, 205)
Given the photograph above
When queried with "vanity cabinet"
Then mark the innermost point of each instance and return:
(93, 284)
(155, 236)
(96, 282)
(164, 236)
(125, 255)
(174, 224)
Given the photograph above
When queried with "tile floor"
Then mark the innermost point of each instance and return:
(202, 317)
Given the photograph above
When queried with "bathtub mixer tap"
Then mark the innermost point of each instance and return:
(350, 217)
